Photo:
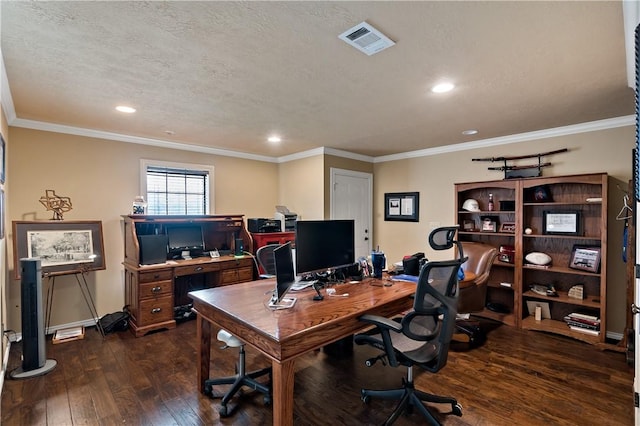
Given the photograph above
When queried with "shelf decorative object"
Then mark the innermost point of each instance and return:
(585, 258)
(512, 171)
(56, 203)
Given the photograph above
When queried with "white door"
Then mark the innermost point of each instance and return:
(352, 198)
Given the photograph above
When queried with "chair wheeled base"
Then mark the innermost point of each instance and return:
(240, 379)
(410, 397)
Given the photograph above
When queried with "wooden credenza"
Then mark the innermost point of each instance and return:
(153, 291)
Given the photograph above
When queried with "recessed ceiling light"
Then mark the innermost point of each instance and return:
(127, 109)
(442, 87)
(470, 132)
(274, 139)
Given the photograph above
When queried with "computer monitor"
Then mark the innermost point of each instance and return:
(323, 245)
(185, 238)
(285, 275)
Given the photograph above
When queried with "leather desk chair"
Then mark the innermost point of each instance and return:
(473, 293)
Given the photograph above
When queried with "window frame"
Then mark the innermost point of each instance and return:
(209, 169)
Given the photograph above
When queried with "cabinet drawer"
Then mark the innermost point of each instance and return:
(155, 289)
(238, 263)
(155, 310)
(231, 276)
(201, 268)
(158, 275)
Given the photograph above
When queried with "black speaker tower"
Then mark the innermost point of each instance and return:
(34, 357)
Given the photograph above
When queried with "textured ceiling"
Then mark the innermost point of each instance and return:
(229, 74)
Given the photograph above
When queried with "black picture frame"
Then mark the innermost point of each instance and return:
(65, 247)
(564, 222)
(402, 206)
(586, 258)
(2, 159)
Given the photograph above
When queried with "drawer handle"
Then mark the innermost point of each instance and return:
(199, 268)
(156, 310)
(156, 276)
(157, 289)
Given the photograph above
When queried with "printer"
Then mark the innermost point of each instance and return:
(286, 218)
(262, 225)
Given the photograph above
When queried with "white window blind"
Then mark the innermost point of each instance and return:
(177, 190)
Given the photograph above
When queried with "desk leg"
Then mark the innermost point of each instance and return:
(282, 384)
(204, 355)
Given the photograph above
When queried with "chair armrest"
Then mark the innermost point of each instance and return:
(382, 322)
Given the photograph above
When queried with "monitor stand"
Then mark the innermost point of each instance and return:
(285, 303)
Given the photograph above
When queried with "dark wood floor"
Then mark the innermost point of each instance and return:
(515, 378)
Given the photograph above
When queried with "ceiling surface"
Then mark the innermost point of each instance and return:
(229, 74)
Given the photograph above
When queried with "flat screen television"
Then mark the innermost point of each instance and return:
(185, 238)
(323, 245)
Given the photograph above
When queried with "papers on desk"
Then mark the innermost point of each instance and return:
(405, 277)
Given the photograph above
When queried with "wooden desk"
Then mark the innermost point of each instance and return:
(283, 335)
(151, 292)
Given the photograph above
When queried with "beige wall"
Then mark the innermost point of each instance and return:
(434, 178)
(102, 178)
(301, 187)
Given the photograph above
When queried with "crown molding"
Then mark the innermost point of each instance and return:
(78, 131)
(592, 126)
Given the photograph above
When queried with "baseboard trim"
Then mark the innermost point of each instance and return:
(5, 362)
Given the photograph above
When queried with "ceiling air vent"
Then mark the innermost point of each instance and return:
(366, 39)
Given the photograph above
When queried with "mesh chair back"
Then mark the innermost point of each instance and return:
(443, 239)
(434, 311)
(265, 258)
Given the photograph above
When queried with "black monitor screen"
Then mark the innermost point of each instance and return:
(185, 237)
(324, 244)
(285, 276)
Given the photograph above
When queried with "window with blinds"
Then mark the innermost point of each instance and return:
(177, 191)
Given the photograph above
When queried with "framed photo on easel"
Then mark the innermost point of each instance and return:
(586, 258)
(65, 247)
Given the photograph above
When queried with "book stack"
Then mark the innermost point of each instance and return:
(583, 323)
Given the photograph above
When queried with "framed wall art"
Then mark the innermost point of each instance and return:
(64, 247)
(402, 206)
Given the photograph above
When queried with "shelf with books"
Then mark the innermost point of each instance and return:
(569, 225)
(559, 327)
(564, 217)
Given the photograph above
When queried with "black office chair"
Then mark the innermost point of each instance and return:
(240, 379)
(421, 337)
(266, 260)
